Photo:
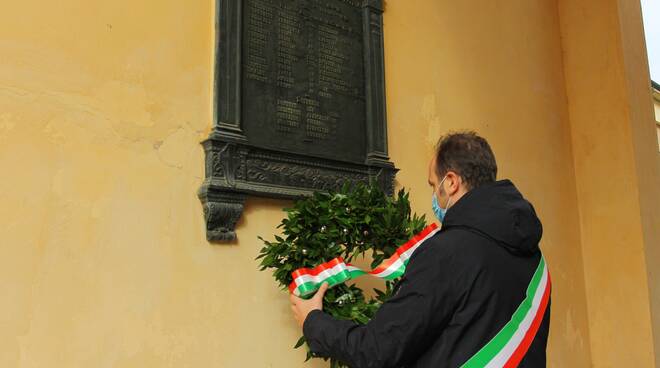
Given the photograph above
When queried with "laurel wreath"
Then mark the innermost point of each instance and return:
(356, 220)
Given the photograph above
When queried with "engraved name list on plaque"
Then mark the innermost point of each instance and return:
(299, 104)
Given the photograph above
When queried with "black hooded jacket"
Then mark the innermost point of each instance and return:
(459, 289)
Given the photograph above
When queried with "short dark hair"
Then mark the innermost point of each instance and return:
(469, 156)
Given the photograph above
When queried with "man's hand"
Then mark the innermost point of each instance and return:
(302, 307)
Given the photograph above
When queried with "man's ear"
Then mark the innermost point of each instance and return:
(453, 183)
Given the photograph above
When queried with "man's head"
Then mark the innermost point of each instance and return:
(462, 162)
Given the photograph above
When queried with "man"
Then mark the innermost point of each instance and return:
(476, 294)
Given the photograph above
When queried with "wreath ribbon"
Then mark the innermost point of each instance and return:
(307, 280)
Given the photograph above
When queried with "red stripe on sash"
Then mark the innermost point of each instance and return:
(403, 248)
(521, 350)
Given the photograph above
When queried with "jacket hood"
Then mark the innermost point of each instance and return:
(498, 211)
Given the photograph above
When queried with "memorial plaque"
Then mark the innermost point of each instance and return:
(299, 103)
(303, 77)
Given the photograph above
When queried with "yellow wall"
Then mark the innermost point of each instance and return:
(656, 107)
(103, 259)
(616, 171)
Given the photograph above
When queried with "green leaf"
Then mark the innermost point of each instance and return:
(300, 342)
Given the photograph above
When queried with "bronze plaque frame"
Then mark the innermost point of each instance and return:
(237, 167)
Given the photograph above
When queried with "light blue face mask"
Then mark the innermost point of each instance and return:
(437, 210)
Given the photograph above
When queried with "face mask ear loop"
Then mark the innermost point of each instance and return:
(440, 185)
(448, 197)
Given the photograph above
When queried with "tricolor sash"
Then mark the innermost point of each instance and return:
(509, 346)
